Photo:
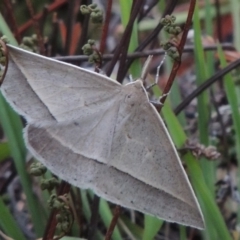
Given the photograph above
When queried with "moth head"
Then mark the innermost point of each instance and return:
(135, 93)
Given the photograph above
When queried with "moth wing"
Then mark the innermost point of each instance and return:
(91, 135)
(106, 181)
(97, 124)
(143, 149)
(41, 88)
(135, 141)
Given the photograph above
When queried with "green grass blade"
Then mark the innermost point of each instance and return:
(213, 218)
(231, 93)
(4, 29)
(149, 24)
(203, 106)
(125, 6)
(151, 227)
(183, 233)
(8, 224)
(4, 151)
(210, 59)
(13, 129)
(87, 211)
(230, 89)
(72, 238)
(106, 215)
(235, 8)
(201, 72)
(134, 229)
(135, 70)
(85, 204)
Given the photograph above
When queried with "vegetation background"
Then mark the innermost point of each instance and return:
(203, 105)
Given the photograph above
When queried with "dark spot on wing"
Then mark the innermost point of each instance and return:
(129, 136)
(76, 123)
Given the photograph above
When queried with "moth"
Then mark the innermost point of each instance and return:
(95, 133)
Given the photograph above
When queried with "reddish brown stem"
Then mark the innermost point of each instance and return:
(51, 8)
(12, 19)
(124, 42)
(37, 28)
(52, 222)
(105, 27)
(5, 52)
(110, 230)
(177, 64)
(100, 52)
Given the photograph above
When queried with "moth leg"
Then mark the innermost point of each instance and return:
(157, 74)
(163, 96)
(158, 103)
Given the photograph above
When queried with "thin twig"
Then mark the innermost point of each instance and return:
(84, 33)
(37, 27)
(205, 85)
(104, 34)
(136, 8)
(159, 51)
(54, 34)
(43, 19)
(220, 120)
(52, 222)
(168, 10)
(116, 215)
(51, 8)
(218, 21)
(150, 6)
(177, 64)
(10, 14)
(96, 199)
(105, 27)
(5, 52)
(4, 236)
(124, 40)
(70, 21)
(94, 218)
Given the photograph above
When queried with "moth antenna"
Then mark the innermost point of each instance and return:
(130, 78)
(157, 73)
(145, 67)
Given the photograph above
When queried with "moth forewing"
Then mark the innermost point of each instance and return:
(95, 133)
